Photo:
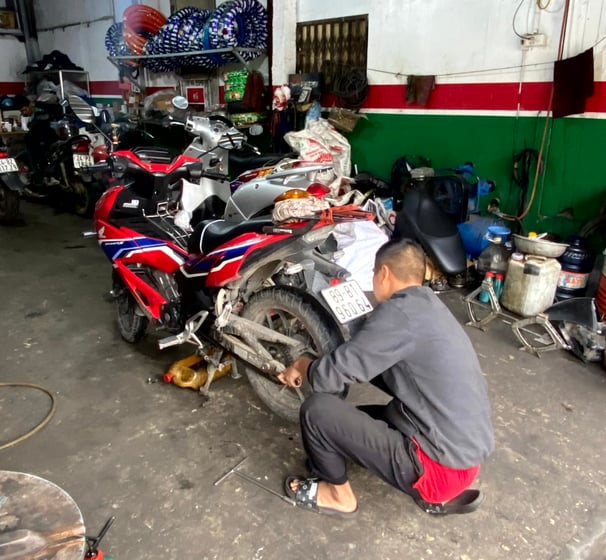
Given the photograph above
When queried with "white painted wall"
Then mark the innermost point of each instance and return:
(84, 44)
(14, 59)
(461, 41)
(51, 13)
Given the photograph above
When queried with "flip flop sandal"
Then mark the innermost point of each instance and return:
(466, 502)
(307, 494)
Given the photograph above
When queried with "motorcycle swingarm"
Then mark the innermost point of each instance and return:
(241, 338)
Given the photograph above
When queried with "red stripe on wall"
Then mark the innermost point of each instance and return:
(476, 97)
(109, 87)
(11, 88)
(488, 97)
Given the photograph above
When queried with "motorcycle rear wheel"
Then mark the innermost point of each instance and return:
(9, 205)
(132, 325)
(288, 313)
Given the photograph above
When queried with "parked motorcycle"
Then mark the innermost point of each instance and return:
(50, 168)
(250, 194)
(10, 188)
(233, 291)
(428, 210)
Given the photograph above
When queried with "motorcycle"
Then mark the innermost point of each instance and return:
(428, 209)
(10, 188)
(239, 289)
(426, 217)
(251, 194)
(51, 167)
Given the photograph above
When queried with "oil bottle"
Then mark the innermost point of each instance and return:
(192, 372)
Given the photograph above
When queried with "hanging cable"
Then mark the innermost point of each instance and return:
(513, 21)
(546, 127)
(542, 6)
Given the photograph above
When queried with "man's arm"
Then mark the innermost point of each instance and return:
(383, 340)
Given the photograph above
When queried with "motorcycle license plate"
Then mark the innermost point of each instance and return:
(82, 160)
(347, 301)
(7, 165)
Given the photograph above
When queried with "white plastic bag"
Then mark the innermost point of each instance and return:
(359, 242)
(321, 143)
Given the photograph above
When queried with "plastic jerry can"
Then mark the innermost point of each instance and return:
(530, 285)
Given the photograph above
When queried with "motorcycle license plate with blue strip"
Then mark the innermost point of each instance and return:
(7, 165)
(347, 301)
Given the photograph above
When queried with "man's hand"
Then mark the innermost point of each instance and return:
(296, 372)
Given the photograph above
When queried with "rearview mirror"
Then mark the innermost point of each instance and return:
(180, 102)
(255, 130)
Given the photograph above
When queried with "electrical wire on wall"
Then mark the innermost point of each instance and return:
(547, 128)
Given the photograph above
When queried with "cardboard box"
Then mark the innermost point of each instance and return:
(8, 19)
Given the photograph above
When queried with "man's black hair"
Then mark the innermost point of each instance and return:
(404, 257)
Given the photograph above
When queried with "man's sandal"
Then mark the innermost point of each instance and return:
(306, 497)
(466, 502)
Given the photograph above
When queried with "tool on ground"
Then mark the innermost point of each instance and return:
(252, 480)
(92, 543)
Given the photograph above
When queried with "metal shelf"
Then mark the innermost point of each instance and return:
(236, 51)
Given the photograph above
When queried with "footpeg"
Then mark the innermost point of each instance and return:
(189, 332)
(169, 341)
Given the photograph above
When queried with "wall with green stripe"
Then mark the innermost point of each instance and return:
(575, 164)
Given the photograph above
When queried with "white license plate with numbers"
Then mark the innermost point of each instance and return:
(82, 160)
(347, 301)
(8, 165)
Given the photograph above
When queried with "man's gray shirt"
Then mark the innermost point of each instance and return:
(426, 359)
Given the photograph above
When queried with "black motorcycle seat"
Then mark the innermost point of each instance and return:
(421, 218)
(154, 155)
(210, 234)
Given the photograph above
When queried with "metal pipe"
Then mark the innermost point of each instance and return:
(25, 9)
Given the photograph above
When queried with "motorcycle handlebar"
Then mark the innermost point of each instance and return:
(102, 166)
(196, 171)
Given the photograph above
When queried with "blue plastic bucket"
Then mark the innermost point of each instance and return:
(476, 235)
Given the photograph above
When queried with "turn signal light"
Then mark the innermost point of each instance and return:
(292, 193)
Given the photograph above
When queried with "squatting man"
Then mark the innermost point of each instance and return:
(431, 438)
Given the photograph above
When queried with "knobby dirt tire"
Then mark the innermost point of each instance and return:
(290, 313)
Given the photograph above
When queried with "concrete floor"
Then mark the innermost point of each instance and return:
(123, 444)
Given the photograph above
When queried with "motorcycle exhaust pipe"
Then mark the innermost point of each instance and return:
(89, 234)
